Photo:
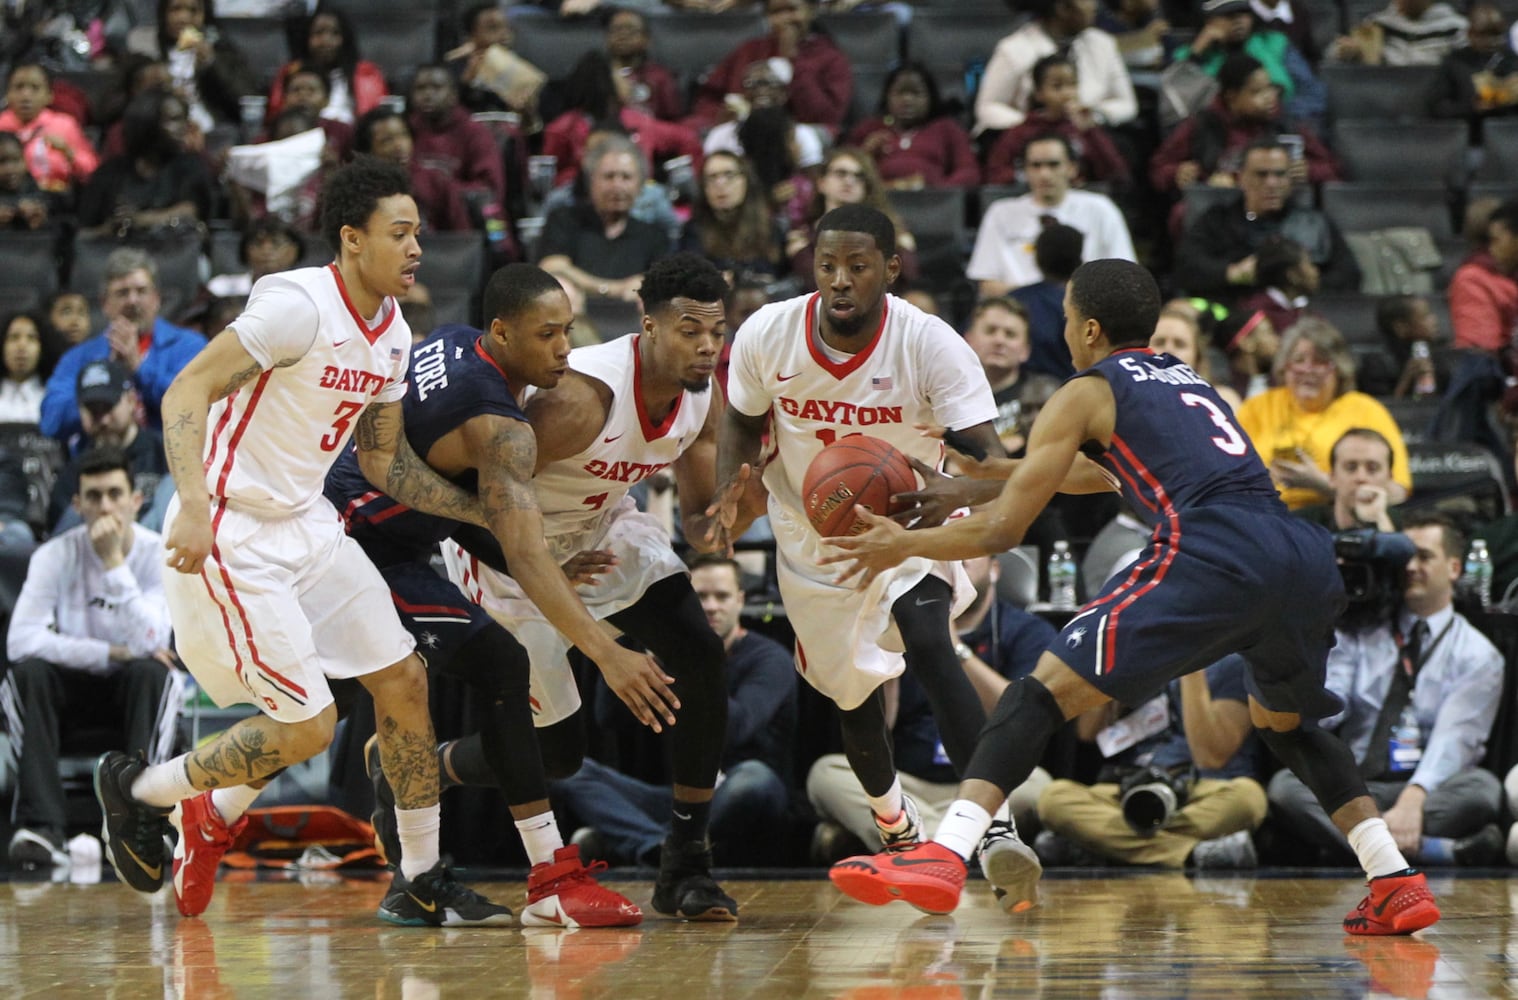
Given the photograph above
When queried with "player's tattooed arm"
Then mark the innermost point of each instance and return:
(388, 461)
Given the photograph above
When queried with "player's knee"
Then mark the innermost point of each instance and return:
(400, 683)
(1029, 708)
(312, 736)
(562, 746)
(495, 663)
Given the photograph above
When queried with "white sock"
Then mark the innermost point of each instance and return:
(888, 806)
(1373, 844)
(540, 836)
(418, 832)
(231, 803)
(164, 785)
(1004, 815)
(963, 824)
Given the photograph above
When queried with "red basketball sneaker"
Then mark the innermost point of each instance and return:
(203, 838)
(929, 876)
(562, 893)
(1396, 904)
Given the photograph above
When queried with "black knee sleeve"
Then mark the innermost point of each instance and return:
(1013, 739)
(504, 752)
(922, 618)
(493, 663)
(563, 747)
(867, 744)
(1322, 761)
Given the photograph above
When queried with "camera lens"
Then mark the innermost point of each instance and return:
(1147, 808)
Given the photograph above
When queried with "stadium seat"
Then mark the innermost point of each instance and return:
(936, 219)
(689, 44)
(1462, 479)
(1403, 153)
(947, 36)
(454, 264)
(1358, 208)
(869, 83)
(262, 42)
(611, 318)
(1018, 582)
(554, 45)
(31, 266)
(1499, 158)
(868, 38)
(398, 43)
(1381, 93)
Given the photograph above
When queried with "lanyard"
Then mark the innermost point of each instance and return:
(1410, 666)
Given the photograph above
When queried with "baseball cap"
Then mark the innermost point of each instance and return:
(102, 383)
(1218, 8)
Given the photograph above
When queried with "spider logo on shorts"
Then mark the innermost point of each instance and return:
(428, 639)
(1074, 639)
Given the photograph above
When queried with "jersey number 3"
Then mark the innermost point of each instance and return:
(1230, 443)
(346, 411)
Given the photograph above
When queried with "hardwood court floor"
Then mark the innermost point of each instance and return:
(1104, 936)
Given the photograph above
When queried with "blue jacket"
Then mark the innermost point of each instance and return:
(173, 347)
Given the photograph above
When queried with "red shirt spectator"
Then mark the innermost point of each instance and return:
(651, 88)
(326, 43)
(565, 138)
(1057, 108)
(914, 144)
(447, 140)
(1483, 294)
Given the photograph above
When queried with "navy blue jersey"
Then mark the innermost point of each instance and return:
(1175, 444)
(451, 380)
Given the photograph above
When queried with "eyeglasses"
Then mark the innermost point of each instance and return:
(1310, 363)
(722, 176)
(846, 175)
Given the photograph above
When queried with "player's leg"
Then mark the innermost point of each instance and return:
(867, 747)
(922, 618)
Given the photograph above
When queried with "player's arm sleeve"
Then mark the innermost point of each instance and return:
(746, 389)
(141, 617)
(279, 323)
(955, 382)
(34, 623)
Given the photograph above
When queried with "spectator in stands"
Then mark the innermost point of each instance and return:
(1179, 334)
(1209, 147)
(324, 41)
(999, 336)
(157, 186)
(997, 643)
(1006, 90)
(1140, 30)
(651, 88)
(58, 154)
(630, 817)
(68, 313)
(88, 643)
(595, 246)
(1360, 473)
(1056, 253)
(1480, 80)
(23, 205)
(1217, 254)
(487, 46)
(1406, 33)
(781, 145)
(385, 133)
(28, 352)
(447, 140)
(309, 90)
(1057, 108)
(914, 141)
(108, 417)
(594, 99)
(1248, 340)
(731, 223)
(848, 178)
(1230, 27)
(206, 70)
(1292, 18)
(151, 348)
(1483, 294)
(1421, 687)
(1003, 256)
(821, 83)
(1287, 278)
(1294, 426)
(268, 246)
(138, 74)
(1200, 735)
(1399, 370)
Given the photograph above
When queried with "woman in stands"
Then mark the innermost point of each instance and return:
(325, 42)
(848, 178)
(156, 185)
(914, 142)
(207, 71)
(1179, 334)
(731, 223)
(28, 350)
(383, 132)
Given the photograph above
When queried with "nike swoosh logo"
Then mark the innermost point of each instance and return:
(922, 603)
(429, 907)
(785, 378)
(340, 343)
(553, 918)
(611, 439)
(153, 871)
(680, 815)
(901, 862)
(1378, 910)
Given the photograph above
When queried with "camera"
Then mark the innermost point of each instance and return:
(1151, 795)
(1374, 567)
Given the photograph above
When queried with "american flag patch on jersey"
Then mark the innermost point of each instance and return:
(880, 382)
(395, 353)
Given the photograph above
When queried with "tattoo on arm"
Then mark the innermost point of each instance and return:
(506, 484)
(407, 478)
(237, 381)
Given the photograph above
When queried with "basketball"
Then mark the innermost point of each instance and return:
(854, 471)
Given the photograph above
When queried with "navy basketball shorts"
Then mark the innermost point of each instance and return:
(435, 612)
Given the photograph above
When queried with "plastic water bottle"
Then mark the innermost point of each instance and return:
(1478, 572)
(1406, 742)
(1062, 578)
(1427, 383)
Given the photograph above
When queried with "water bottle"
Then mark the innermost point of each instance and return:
(1478, 572)
(1062, 578)
(1406, 743)
(1427, 383)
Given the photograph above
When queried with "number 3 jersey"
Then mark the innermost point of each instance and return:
(1175, 444)
(269, 444)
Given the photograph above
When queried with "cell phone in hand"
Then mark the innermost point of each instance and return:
(1295, 146)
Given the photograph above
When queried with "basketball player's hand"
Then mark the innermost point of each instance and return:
(722, 513)
(189, 542)
(589, 565)
(642, 685)
(931, 505)
(867, 554)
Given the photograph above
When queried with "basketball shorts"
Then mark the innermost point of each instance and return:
(847, 644)
(644, 557)
(436, 613)
(280, 606)
(1221, 579)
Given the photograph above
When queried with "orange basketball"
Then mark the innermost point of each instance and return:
(854, 471)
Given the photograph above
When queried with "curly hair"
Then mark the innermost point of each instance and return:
(352, 194)
(681, 275)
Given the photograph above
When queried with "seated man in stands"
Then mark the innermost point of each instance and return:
(444, 138)
(1000, 337)
(1420, 686)
(88, 644)
(1197, 741)
(1360, 473)
(1406, 33)
(1483, 294)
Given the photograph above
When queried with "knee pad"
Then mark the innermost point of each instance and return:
(494, 663)
(562, 746)
(1014, 736)
(1322, 762)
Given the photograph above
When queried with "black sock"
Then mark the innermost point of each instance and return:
(688, 821)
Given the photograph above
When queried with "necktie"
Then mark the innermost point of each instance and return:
(1377, 760)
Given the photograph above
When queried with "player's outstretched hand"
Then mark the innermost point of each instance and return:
(588, 566)
(644, 688)
(722, 513)
(189, 541)
(868, 554)
(930, 505)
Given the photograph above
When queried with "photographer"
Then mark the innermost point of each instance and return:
(1420, 686)
(1198, 748)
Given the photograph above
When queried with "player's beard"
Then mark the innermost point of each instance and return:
(695, 385)
(851, 325)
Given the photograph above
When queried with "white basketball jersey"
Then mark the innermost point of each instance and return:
(269, 445)
(575, 492)
(917, 370)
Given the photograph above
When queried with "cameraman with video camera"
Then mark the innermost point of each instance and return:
(1420, 686)
(1179, 786)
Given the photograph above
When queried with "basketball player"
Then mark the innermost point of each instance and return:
(270, 598)
(628, 409)
(463, 416)
(850, 359)
(1227, 570)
